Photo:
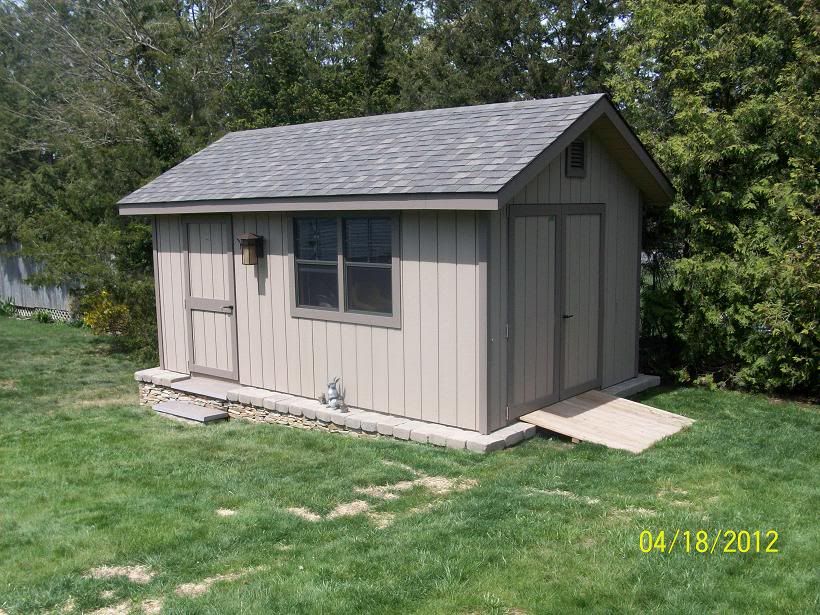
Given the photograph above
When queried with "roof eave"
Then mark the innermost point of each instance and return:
(473, 201)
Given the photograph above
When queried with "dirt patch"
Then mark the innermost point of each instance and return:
(108, 594)
(69, 606)
(191, 590)
(225, 512)
(136, 574)
(304, 513)
(569, 495)
(121, 608)
(439, 485)
(381, 520)
(8, 385)
(349, 509)
(152, 606)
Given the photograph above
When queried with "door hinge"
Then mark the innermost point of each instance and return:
(507, 413)
(507, 331)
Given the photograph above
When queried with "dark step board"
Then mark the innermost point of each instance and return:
(190, 412)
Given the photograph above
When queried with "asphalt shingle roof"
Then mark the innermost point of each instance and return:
(462, 149)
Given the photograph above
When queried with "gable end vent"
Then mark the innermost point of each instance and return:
(576, 159)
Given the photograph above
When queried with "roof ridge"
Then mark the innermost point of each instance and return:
(420, 112)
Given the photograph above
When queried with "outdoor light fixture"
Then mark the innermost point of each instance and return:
(251, 248)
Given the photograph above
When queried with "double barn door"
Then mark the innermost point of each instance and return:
(555, 302)
(210, 302)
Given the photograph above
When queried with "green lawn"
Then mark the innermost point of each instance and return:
(88, 478)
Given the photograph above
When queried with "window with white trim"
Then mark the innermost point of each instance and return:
(345, 268)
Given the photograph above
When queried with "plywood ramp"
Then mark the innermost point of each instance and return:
(612, 421)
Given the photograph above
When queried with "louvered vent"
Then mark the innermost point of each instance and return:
(576, 159)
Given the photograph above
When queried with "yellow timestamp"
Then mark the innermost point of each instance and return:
(706, 542)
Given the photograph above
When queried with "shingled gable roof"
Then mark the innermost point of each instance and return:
(469, 157)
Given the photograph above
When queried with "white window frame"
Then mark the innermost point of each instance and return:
(341, 314)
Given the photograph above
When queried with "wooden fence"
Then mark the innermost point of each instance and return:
(14, 271)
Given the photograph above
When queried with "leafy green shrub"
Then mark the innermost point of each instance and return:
(42, 316)
(126, 312)
(104, 316)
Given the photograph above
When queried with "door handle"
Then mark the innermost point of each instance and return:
(567, 316)
(227, 309)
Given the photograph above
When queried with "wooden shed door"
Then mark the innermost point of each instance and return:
(533, 371)
(210, 297)
(581, 302)
(554, 303)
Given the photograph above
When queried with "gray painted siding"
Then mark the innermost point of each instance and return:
(606, 183)
(429, 369)
(170, 281)
(14, 270)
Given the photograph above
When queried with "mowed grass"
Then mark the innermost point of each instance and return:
(89, 478)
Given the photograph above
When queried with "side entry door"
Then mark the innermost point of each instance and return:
(210, 298)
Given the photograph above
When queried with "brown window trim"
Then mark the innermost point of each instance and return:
(391, 321)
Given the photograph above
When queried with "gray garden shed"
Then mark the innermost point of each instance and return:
(457, 266)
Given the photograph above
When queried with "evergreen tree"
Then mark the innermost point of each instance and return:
(725, 95)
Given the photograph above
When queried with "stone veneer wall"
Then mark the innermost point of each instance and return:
(151, 394)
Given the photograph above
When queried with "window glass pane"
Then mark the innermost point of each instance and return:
(369, 289)
(317, 286)
(368, 240)
(315, 238)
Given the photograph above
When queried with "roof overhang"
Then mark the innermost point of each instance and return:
(603, 120)
(466, 201)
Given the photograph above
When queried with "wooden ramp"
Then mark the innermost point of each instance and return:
(612, 421)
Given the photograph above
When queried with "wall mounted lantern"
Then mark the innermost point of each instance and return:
(251, 246)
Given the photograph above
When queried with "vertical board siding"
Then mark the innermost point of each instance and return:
(411, 313)
(497, 386)
(169, 278)
(428, 299)
(605, 182)
(429, 368)
(467, 318)
(447, 281)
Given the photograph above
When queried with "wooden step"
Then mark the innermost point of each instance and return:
(190, 412)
